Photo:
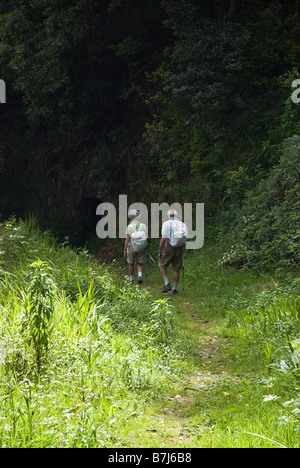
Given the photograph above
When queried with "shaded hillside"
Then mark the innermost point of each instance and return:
(161, 100)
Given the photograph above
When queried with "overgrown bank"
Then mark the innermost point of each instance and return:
(81, 349)
(87, 360)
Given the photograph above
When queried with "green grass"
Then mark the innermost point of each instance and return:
(122, 366)
(78, 378)
(219, 401)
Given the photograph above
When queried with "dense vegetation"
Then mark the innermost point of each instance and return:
(89, 360)
(78, 345)
(165, 101)
(191, 100)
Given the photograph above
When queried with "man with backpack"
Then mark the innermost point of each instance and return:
(172, 249)
(135, 245)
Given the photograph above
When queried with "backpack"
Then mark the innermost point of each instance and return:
(178, 234)
(138, 240)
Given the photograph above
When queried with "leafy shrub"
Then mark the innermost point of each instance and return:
(39, 309)
(268, 230)
(162, 320)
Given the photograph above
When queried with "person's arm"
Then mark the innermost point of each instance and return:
(126, 244)
(161, 246)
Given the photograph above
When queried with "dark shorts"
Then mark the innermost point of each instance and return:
(172, 256)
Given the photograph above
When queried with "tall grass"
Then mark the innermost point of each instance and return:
(255, 401)
(83, 352)
(269, 324)
(80, 351)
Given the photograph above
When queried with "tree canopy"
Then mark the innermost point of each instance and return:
(160, 99)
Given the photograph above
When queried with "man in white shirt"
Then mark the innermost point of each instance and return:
(171, 251)
(134, 257)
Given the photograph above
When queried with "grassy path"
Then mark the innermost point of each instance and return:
(120, 382)
(215, 403)
(174, 422)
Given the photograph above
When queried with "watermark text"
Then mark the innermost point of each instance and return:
(109, 223)
(2, 92)
(296, 93)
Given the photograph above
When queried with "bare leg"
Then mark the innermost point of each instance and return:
(166, 280)
(131, 269)
(139, 268)
(163, 272)
(176, 277)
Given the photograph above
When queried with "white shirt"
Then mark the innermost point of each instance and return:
(166, 227)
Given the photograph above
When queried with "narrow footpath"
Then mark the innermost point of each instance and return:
(203, 397)
(218, 398)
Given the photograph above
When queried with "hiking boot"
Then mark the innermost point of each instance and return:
(167, 288)
(175, 292)
(140, 281)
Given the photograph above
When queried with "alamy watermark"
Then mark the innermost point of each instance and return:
(2, 92)
(107, 226)
(296, 93)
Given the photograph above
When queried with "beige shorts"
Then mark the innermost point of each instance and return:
(172, 255)
(133, 257)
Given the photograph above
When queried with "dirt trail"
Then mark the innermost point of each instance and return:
(174, 422)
